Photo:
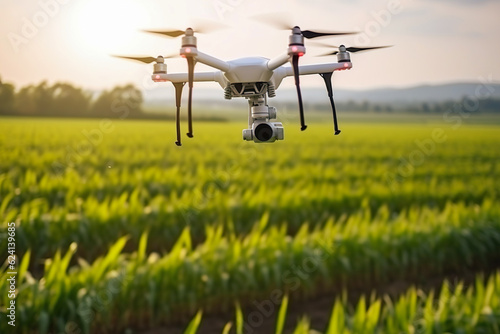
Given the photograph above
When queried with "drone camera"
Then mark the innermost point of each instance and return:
(268, 132)
(264, 132)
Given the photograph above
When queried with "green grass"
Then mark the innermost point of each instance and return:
(174, 230)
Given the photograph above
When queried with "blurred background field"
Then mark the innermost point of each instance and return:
(120, 230)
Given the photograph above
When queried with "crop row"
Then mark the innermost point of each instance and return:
(138, 289)
(98, 224)
(454, 309)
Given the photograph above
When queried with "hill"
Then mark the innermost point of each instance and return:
(416, 94)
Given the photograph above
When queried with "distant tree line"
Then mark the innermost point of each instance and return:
(489, 105)
(66, 100)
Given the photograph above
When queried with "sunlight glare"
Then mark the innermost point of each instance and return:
(108, 26)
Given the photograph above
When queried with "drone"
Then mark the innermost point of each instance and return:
(253, 78)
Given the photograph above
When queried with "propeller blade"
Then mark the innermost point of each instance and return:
(191, 64)
(309, 34)
(358, 49)
(279, 21)
(354, 49)
(168, 33)
(178, 98)
(328, 54)
(327, 77)
(296, 74)
(201, 27)
(146, 60)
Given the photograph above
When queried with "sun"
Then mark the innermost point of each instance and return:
(106, 26)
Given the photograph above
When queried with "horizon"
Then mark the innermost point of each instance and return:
(216, 87)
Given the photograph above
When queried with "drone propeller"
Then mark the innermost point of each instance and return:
(146, 60)
(313, 34)
(168, 33)
(353, 49)
(274, 20)
(202, 27)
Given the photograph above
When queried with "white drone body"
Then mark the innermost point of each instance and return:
(254, 78)
(250, 70)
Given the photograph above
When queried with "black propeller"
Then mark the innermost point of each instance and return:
(354, 49)
(276, 20)
(309, 34)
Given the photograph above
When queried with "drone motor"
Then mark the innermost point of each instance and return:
(160, 67)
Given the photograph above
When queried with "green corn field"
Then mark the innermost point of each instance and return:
(455, 309)
(120, 231)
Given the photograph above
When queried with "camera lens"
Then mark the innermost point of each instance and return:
(263, 132)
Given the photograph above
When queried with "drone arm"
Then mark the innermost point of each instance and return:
(198, 77)
(287, 71)
(319, 68)
(213, 62)
(277, 62)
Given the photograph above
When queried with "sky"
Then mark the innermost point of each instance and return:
(433, 42)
